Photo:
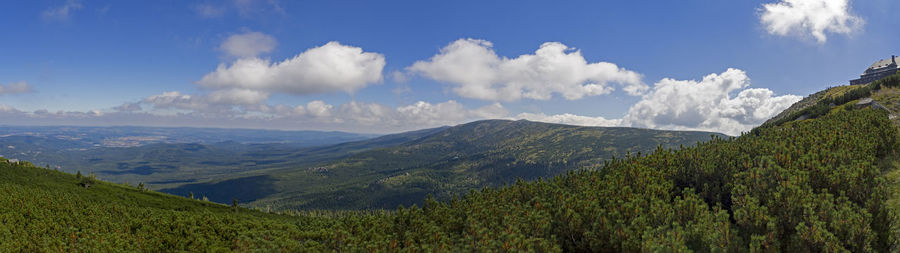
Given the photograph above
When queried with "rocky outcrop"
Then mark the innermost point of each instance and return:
(869, 102)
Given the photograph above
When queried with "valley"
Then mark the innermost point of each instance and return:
(819, 180)
(380, 172)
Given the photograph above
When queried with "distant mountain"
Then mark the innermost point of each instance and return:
(380, 172)
(170, 159)
(131, 136)
(157, 155)
(402, 169)
(823, 179)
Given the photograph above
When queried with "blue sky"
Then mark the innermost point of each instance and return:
(701, 65)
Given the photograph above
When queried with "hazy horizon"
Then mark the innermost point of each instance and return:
(392, 67)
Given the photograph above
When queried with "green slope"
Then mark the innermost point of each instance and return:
(822, 184)
(809, 185)
(46, 210)
(442, 163)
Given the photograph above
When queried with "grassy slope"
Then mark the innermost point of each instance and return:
(46, 210)
(675, 200)
(890, 99)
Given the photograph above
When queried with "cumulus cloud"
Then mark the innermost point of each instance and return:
(61, 13)
(809, 17)
(478, 72)
(570, 119)
(332, 67)
(319, 108)
(707, 104)
(15, 88)
(248, 44)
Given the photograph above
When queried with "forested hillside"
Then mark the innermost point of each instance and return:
(442, 163)
(820, 184)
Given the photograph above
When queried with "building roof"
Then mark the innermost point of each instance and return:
(882, 64)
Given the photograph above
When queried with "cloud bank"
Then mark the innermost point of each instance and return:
(719, 102)
(177, 109)
(706, 105)
(15, 88)
(570, 119)
(809, 18)
(236, 94)
(476, 71)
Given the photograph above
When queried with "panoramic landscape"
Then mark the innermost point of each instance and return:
(464, 126)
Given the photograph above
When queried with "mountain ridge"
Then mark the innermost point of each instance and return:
(828, 182)
(446, 161)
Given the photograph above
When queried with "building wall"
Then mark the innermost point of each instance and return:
(868, 78)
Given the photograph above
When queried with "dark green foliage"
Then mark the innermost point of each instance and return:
(892, 81)
(447, 162)
(383, 172)
(812, 185)
(43, 210)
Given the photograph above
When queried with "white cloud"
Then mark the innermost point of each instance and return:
(477, 72)
(217, 102)
(491, 111)
(329, 68)
(809, 17)
(15, 88)
(61, 13)
(707, 105)
(570, 119)
(237, 96)
(319, 108)
(176, 100)
(369, 116)
(351, 116)
(248, 44)
(433, 114)
(207, 10)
